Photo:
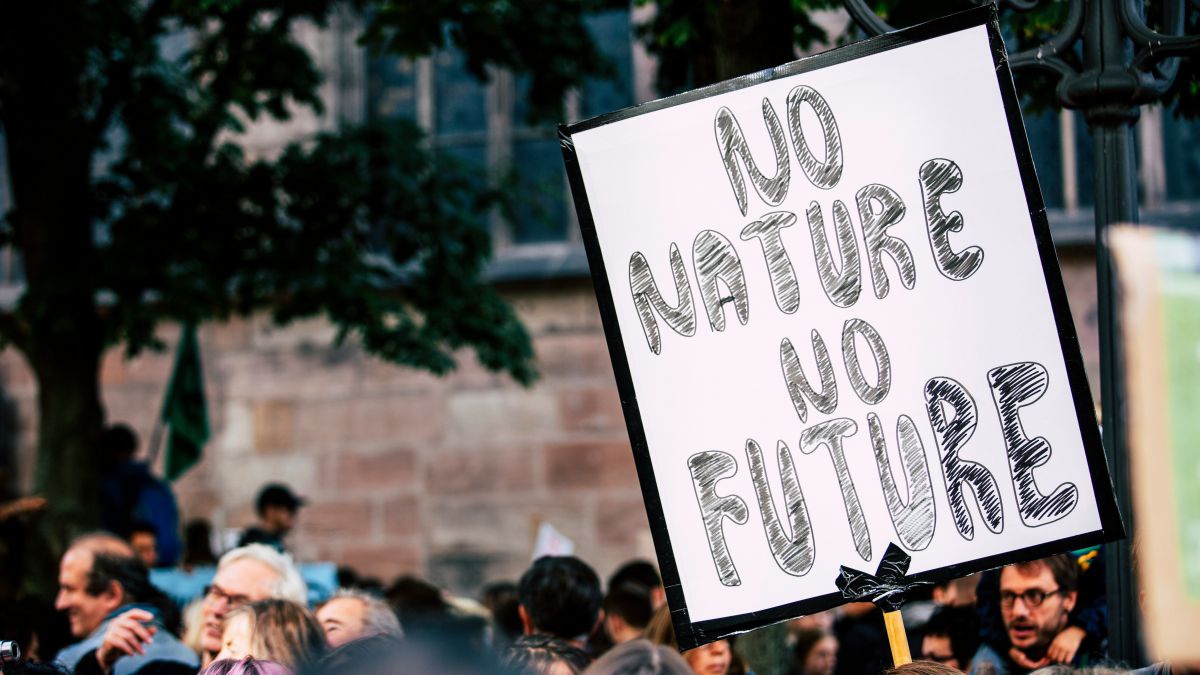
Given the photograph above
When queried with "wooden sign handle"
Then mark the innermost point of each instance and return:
(897, 638)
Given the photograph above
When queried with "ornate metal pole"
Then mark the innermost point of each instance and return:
(1125, 64)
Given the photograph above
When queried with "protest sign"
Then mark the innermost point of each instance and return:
(836, 320)
(1158, 282)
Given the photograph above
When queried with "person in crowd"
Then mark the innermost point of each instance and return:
(502, 601)
(641, 572)
(245, 575)
(121, 619)
(716, 658)
(923, 668)
(1036, 599)
(144, 541)
(130, 492)
(247, 666)
(543, 654)
(277, 508)
(627, 610)
(197, 545)
(365, 656)
(352, 614)
(275, 630)
(560, 596)
(951, 637)
(815, 653)
(958, 592)
(415, 600)
(1087, 624)
(862, 642)
(640, 657)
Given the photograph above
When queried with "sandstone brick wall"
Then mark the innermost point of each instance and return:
(409, 473)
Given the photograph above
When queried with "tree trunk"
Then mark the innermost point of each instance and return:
(70, 420)
(747, 37)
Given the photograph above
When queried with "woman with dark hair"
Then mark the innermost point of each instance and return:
(815, 653)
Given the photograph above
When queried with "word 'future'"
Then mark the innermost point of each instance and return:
(950, 408)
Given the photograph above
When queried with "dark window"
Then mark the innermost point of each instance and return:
(1181, 147)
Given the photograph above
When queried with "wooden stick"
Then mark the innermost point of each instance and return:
(897, 638)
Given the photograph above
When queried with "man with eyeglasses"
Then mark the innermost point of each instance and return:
(248, 574)
(1035, 600)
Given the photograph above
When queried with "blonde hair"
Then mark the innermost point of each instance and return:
(284, 632)
(660, 631)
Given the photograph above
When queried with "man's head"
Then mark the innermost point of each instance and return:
(244, 575)
(96, 576)
(640, 572)
(144, 540)
(559, 596)
(951, 636)
(351, 614)
(277, 506)
(1035, 599)
(958, 592)
(627, 611)
(118, 443)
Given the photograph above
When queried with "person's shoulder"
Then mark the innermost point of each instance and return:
(70, 656)
(988, 661)
(1153, 669)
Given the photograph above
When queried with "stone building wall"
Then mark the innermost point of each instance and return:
(410, 473)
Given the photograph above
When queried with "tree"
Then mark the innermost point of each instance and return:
(134, 205)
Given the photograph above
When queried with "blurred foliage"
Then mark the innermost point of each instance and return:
(135, 202)
(691, 38)
(131, 110)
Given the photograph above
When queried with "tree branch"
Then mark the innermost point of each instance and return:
(120, 80)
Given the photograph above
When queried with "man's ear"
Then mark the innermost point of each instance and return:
(116, 592)
(658, 597)
(1069, 599)
(526, 622)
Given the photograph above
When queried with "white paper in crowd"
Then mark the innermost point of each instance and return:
(551, 542)
(837, 322)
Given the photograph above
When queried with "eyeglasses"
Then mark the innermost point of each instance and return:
(216, 593)
(1032, 598)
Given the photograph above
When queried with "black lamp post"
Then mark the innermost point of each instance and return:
(1125, 64)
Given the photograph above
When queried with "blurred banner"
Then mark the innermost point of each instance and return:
(1158, 282)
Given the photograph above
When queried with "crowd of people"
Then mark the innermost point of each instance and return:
(1044, 616)
(256, 616)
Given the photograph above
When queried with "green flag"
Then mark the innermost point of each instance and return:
(185, 412)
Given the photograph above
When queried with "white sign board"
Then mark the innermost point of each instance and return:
(837, 322)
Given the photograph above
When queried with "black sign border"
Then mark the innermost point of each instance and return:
(692, 634)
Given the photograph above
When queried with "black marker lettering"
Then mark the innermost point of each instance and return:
(831, 434)
(938, 177)
(732, 144)
(797, 383)
(783, 275)
(716, 260)
(1013, 387)
(951, 435)
(915, 521)
(709, 468)
(822, 173)
(648, 299)
(842, 282)
(883, 364)
(793, 553)
(875, 222)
